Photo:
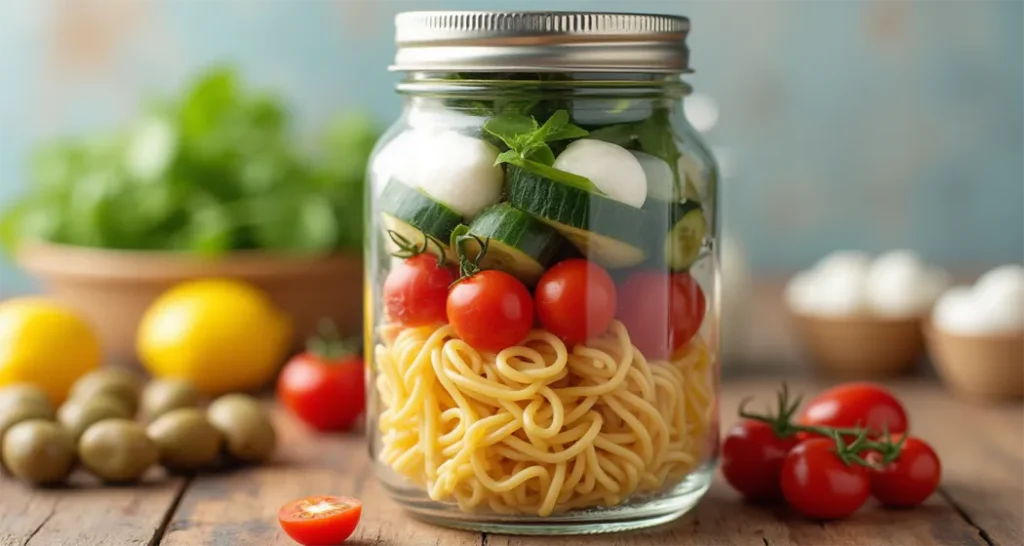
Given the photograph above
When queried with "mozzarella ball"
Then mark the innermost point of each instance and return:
(398, 159)
(801, 292)
(850, 261)
(660, 179)
(898, 284)
(955, 312)
(999, 294)
(458, 171)
(840, 292)
(1006, 281)
(611, 168)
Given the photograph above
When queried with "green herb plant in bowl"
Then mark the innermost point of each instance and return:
(214, 183)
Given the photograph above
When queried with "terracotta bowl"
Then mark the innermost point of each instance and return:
(861, 347)
(113, 288)
(982, 367)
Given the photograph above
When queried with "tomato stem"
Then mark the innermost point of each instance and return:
(781, 422)
(467, 267)
(328, 345)
(407, 249)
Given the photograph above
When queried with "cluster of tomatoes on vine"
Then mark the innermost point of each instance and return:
(849, 443)
(575, 299)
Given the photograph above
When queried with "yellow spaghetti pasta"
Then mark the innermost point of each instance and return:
(537, 429)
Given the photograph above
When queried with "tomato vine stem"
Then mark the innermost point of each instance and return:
(781, 422)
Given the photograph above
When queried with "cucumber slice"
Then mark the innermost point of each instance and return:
(413, 215)
(677, 232)
(605, 230)
(518, 243)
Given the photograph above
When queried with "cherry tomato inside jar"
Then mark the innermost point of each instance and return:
(662, 311)
(490, 310)
(416, 291)
(320, 520)
(575, 300)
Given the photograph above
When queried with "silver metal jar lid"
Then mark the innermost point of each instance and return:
(512, 41)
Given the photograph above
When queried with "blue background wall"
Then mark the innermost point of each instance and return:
(854, 124)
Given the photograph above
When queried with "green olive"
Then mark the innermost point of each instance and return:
(38, 451)
(14, 414)
(21, 394)
(163, 395)
(78, 415)
(186, 440)
(248, 433)
(120, 384)
(117, 450)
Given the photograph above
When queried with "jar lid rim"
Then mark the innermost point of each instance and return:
(540, 41)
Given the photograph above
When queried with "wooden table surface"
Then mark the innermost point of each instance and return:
(981, 500)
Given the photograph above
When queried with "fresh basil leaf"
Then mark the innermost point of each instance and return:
(510, 126)
(541, 154)
(526, 141)
(567, 132)
(508, 156)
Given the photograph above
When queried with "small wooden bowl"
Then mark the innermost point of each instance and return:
(980, 367)
(113, 288)
(861, 346)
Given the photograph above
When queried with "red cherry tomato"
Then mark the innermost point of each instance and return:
(819, 485)
(752, 458)
(325, 391)
(856, 404)
(321, 520)
(575, 300)
(490, 310)
(416, 289)
(662, 312)
(908, 480)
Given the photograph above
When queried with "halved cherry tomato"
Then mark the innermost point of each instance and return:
(908, 480)
(662, 312)
(856, 404)
(416, 290)
(320, 520)
(819, 485)
(752, 458)
(490, 310)
(575, 300)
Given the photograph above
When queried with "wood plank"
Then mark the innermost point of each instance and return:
(241, 507)
(86, 513)
(982, 450)
(722, 518)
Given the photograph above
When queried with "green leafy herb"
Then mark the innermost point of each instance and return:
(526, 140)
(214, 170)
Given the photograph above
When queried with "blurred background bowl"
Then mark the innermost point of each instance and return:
(981, 367)
(860, 347)
(113, 288)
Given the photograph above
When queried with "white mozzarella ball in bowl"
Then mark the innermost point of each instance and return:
(899, 284)
(955, 312)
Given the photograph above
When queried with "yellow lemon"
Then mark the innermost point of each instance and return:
(220, 335)
(45, 343)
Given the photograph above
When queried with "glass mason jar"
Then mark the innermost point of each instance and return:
(541, 298)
